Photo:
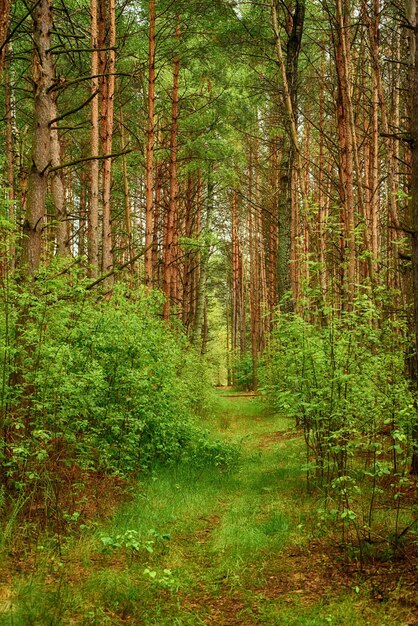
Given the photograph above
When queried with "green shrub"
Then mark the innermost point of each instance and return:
(243, 371)
(344, 384)
(104, 385)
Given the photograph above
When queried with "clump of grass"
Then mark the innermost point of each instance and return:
(116, 592)
(35, 603)
(346, 610)
(276, 525)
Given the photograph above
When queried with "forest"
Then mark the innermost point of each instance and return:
(209, 312)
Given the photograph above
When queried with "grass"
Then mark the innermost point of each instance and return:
(201, 546)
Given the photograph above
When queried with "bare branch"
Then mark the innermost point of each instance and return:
(119, 268)
(91, 158)
(84, 104)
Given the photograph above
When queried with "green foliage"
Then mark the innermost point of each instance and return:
(243, 371)
(345, 385)
(102, 385)
(131, 541)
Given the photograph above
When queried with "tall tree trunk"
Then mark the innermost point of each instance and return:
(289, 74)
(93, 215)
(126, 197)
(107, 19)
(197, 339)
(374, 163)
(275, 168)
(149, 182)
(254, 259)
(57, 185)
(345, 134)
(38, 177)
(195, 269)
(156, 265)
(10, 159)
(4, 29)
(321, 231)
(413, 206)
(169, 256)
(107, 145)
(188, 259)
(82, 240)
(235, 261)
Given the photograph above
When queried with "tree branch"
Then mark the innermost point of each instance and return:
(64, 84)
(397, 137)
(24, 18)
(91, 158)
(84, 104)
(119, 268)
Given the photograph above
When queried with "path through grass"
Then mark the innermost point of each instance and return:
(201, 547)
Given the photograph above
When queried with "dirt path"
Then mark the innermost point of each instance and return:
(215, 548)
(259, 563)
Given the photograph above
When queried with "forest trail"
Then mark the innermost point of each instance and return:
(209, 548)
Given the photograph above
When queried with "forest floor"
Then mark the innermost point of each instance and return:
(211, 548)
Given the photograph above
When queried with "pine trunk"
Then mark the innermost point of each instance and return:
(107, 113)
(169, 256)
(149, 175)
(93, 214)
(32, 244)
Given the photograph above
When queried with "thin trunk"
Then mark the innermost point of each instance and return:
(169, 256)
(414, 219)
(236, 287)
(322, 244)
(57, 185)
(295, 267)
(254, 269)
(93, 216)
(156, 224)
(10, 159)
(4, 29)
(108, 97)
(83, 214)
(205, 328)
(275, 166)
(126, 196)
(187, 265)
(203, 268)
(374, 174)
(197, 257)
(262, 302)
(345, 134)
(149, 194)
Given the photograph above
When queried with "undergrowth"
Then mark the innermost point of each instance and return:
(95, 392)
(345, 386)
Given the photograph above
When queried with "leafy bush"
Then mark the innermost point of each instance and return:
(243, 372)
(103, 385)
(344, 384)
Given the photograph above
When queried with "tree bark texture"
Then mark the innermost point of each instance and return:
(149, 169)
(41, 151)
(93, 214)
